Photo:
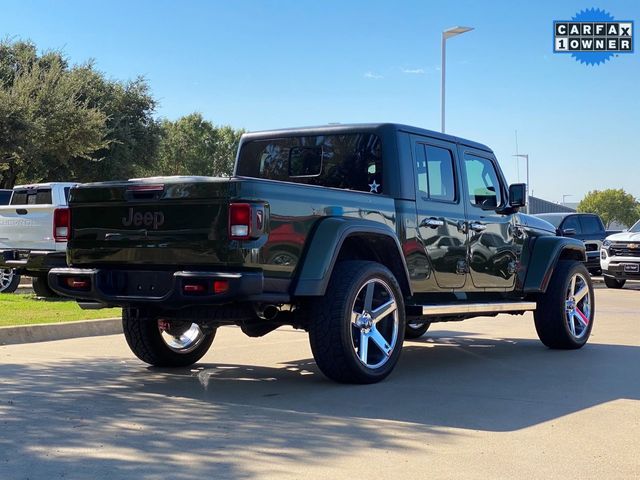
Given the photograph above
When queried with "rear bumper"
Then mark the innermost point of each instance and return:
(162, 288)
(32, 262)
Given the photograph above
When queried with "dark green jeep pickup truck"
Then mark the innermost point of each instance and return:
(363, 235)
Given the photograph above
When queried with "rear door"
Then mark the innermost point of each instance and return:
(27, 223)
(492, 248)
(440, 211)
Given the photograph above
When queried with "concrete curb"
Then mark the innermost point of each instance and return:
(59, 331)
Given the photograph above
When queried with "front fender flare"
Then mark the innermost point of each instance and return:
(544, 255)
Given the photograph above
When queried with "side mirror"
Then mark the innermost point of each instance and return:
(568, 232)
(517, 195)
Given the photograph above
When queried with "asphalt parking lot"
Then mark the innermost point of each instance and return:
(477, 399)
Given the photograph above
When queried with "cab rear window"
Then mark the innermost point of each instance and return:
(349, 161)
(32, 196)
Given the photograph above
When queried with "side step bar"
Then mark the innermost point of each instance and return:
(445, 309)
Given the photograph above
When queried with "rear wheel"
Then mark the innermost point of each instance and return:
(612, 282)
(416, 329)
(9, 280)
(164, 343)
(41, 288)
(565, 313)
(357, 328)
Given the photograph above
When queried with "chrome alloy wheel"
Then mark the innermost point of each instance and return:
(374, 323)
(578, 306)
(181, 340)
(6, 277)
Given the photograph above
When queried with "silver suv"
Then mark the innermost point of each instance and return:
(620, 257)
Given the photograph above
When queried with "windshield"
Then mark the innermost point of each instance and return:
(636, 227)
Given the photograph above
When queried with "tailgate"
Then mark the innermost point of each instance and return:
(27, 227)
(163, 221)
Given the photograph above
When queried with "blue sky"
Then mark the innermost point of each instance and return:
(270, 64)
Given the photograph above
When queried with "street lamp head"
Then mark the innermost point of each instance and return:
(453, 31)
(522, 155)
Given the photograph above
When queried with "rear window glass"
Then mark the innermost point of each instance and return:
(350, 161)
(32, 196)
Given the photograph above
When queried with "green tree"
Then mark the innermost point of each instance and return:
(44, 121)
(61, 122)
(613, 205)
(132, 133)
(192, 145)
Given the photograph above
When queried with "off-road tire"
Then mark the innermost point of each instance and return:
(13, 278)
(145, 341)
(550, 315)
(612, 282)
(41, 288)
(413, 332)
(330, 323)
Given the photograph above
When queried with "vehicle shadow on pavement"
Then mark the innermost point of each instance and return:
(115, 417)
(441, 381)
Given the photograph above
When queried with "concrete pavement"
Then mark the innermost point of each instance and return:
(477, 399)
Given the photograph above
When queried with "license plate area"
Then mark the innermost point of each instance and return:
(631, 267)
(147, 284)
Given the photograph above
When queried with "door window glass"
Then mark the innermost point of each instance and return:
(434, 168)
(572, 222)
(482, 182)
(590, 224)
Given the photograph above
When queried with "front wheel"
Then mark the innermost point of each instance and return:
(612, 282)
(9, 280)
(416, 329)
(565, 313)
(357, 328)
(164, 343)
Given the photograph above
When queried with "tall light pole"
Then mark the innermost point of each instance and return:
(448, 33)
(526, 157)
(565, 195)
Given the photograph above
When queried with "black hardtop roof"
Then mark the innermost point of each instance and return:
(359, 127)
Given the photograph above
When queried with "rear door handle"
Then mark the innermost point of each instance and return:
(431, 223)
(477, 227)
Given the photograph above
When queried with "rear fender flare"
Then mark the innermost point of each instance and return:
(324, 248)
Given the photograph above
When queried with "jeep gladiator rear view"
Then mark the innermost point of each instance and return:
(362, 235)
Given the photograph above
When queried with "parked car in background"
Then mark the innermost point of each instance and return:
(34, 228)
(9, 278)
(587, 227)
(620, 257)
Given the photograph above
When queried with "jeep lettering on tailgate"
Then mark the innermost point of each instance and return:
(147, 219)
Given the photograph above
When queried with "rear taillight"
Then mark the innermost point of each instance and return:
(240, 221)
(247, 221)
(61, 224)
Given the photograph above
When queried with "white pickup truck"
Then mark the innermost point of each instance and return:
(34, 229)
